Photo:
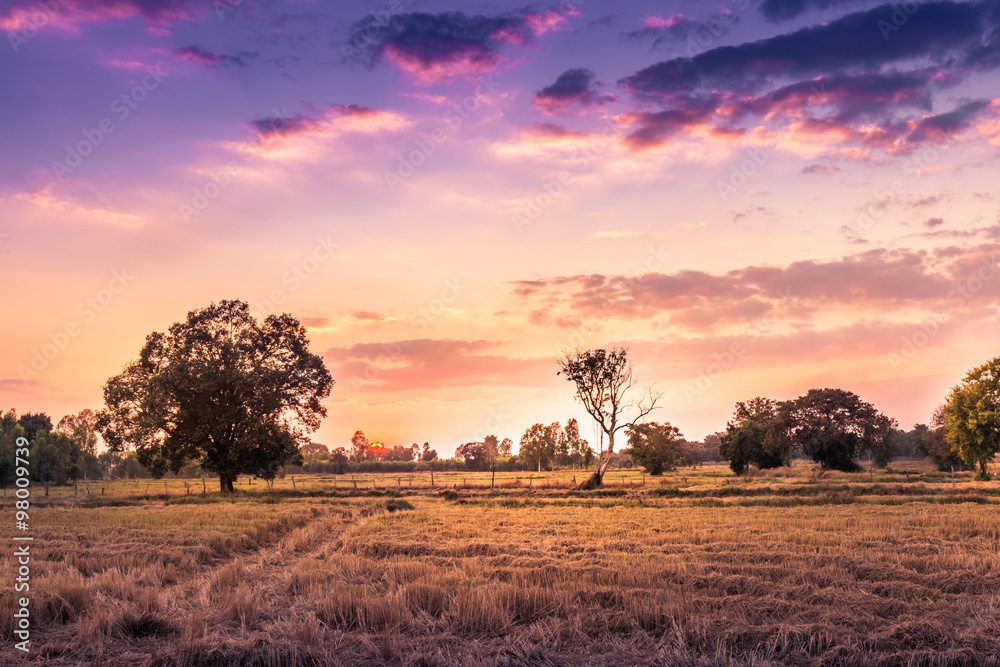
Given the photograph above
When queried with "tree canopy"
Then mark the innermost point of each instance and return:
(972, 416)
(655, 447)
(221, 389)
(834, 427)
(758, 435)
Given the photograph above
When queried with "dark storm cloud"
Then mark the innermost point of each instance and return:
(940, 31)
(573, 87)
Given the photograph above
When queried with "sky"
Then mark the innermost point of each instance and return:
(755, 197)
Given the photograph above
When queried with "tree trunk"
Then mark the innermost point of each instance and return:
(226, 484)
(595, 480)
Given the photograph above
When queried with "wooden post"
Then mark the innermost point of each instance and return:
(399, 483)
(74, 487)
(165, 490)
(373, 483)
(355, 483)
(493, 476)
(147, 489)
(204, 490)
(102, 490)
(432, 478)
(644, 479)
(293, 482)
(530, 480)
(465, 482)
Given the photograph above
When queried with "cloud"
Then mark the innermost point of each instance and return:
(196, 54)
(933, 222)
(423, 364)
(573, 88)
(304, 136)
(71, 13)
(431, 47)
(678, 27)
(877, 281)
(837, 89)
(937, 31)
(819, 169)
(785, 10)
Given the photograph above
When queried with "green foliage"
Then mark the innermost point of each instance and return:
(10, 431)
(758, 435)
(34, 423)
(972, 416)
(655, 447)
(538, 445)
(220, 389)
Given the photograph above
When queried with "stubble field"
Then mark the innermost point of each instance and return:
(698, 568)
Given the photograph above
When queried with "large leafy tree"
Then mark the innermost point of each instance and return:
(602, 379)
(758, 434)
(221, 389)
(834, 427)
(972, 416)
(656, 447)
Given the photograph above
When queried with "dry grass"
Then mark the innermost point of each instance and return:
(790, 569)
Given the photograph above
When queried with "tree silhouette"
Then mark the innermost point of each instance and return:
(602, 378)
(220, 389)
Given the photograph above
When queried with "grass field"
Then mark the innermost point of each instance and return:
(698, 568)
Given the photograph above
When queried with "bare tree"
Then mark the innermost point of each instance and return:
(602, 378)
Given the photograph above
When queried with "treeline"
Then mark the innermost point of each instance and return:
(63, 453)
(837, 429)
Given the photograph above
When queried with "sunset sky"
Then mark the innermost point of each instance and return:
(755, 197)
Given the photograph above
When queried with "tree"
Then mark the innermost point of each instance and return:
(578, 451)
(476, 455)
(10, 431)
(222, 390)
(538, 445)
(82, 429)
(834, 426)
(602, 379)
(505, 447)
(428, 454)
(972, 416)
(338, 461)
(360, 447)
(757, 435)
(314, 448)
(882, 440)
(656, 447)
(54, 459)
(34, 423)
